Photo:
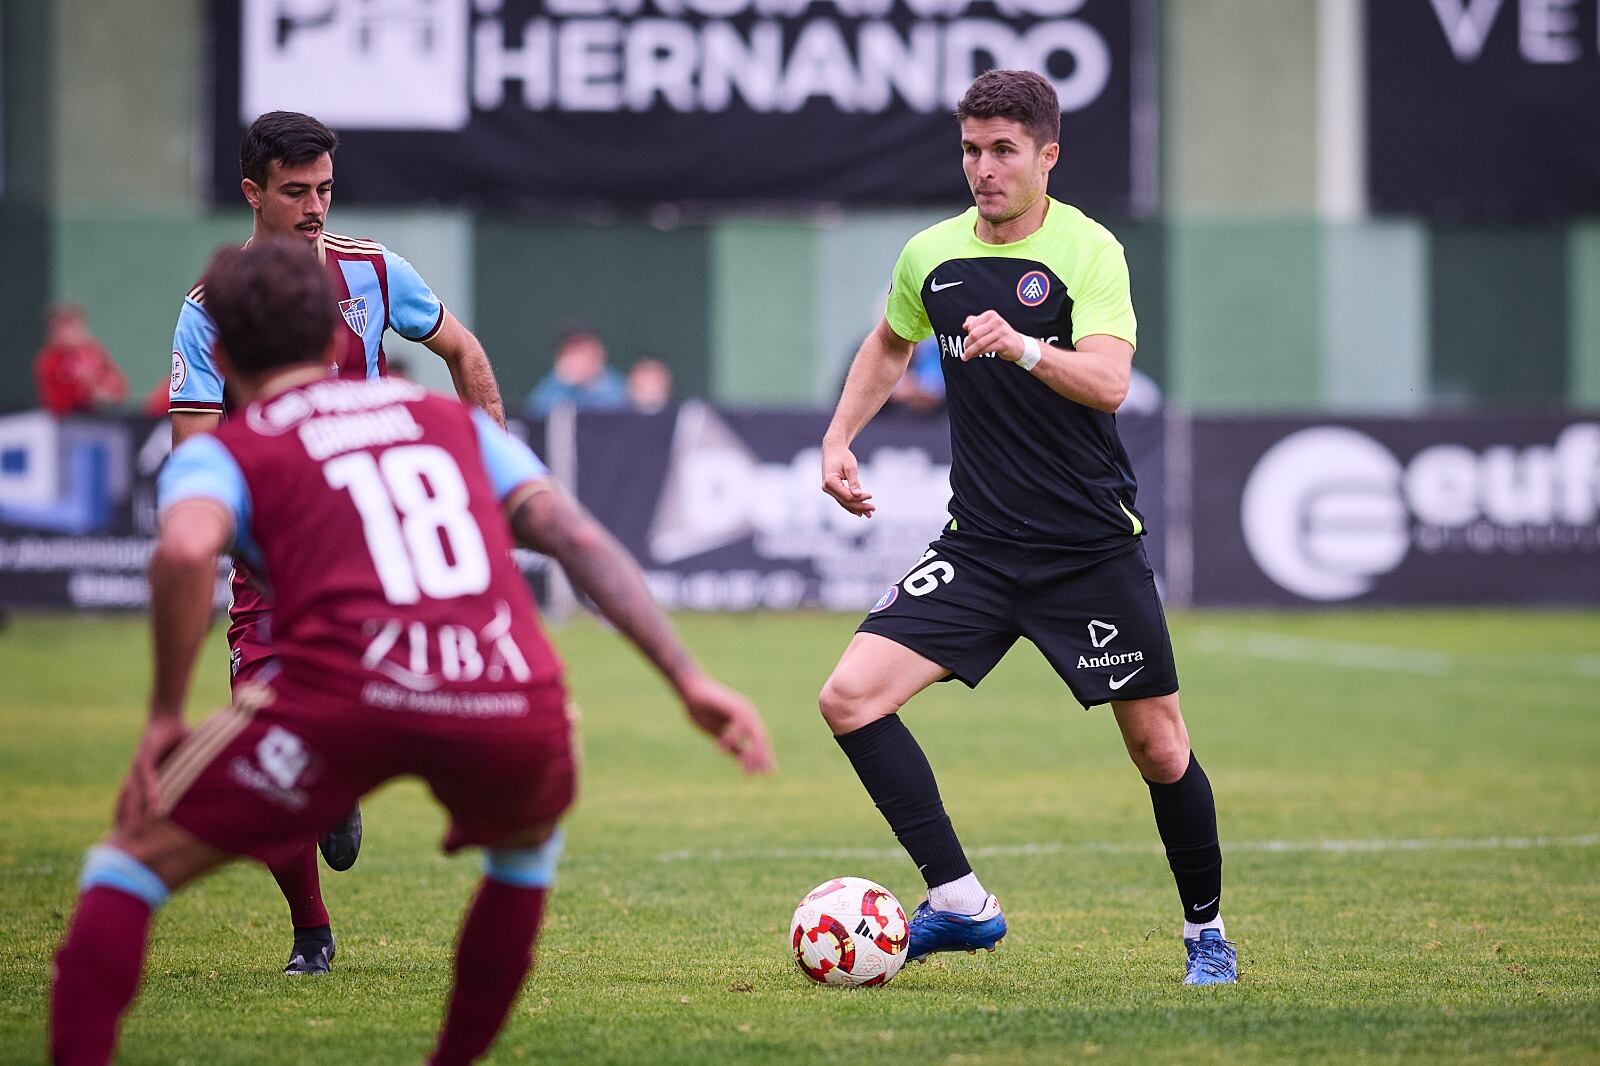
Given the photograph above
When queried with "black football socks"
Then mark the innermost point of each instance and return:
(896, 773)
(1186, 817)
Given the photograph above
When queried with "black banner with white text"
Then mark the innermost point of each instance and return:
(636, 102)
(1483, 110)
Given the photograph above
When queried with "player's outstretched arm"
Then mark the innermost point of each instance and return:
(469, 366)
(879, 364)
(552, 522)
(183, 570)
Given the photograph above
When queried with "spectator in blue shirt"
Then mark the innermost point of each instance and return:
(579, 378)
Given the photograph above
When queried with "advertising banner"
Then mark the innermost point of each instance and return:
(77, 509)
(650, 101)
(1430, 510)
(1483, 109)
(725, 509)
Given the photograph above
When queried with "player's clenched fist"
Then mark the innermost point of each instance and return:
(989, 332)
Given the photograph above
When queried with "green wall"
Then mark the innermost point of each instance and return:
(1245, 315)
(1583, 299)
(1499, 317)
(644, 290)
(764, 343)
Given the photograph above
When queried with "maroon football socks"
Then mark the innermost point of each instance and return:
(97, 975)
(301, 883)
(493, 957)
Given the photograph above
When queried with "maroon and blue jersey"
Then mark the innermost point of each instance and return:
(373, 511)
(377, 290)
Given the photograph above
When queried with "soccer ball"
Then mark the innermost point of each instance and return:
(851, 932)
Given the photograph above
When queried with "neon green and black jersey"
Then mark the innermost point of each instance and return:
(1027, 463)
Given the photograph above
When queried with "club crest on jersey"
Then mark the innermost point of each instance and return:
(1033, 288)
(355, 314)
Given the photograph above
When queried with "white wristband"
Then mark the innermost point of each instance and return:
(1030, 353)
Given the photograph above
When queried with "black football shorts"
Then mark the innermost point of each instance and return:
(1096, 616)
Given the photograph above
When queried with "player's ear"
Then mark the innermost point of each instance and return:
(252, 193)
(1051, 155)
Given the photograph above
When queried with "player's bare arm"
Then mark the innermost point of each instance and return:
(549, 520)
(469, 366)
(1095, 373)
(183, 568)
(186, 424)
(879, 364)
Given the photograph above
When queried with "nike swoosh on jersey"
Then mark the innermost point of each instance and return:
(934, 286)
(1118, 682)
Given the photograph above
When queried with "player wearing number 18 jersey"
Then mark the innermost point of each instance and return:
(1029, 300)
(405, 642)
(286, 168)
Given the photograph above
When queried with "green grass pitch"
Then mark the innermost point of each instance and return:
(1410, 808)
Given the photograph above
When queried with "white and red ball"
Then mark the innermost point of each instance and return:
(849, 931)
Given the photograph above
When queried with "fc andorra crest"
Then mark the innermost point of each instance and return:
(1033, 288)
(355, 314)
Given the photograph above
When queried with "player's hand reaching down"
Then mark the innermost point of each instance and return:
(720, 712)
(842, 481)
(140, 796)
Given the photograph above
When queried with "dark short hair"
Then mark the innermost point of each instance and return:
(287, 138)
(272, 303)
(1019, 95)
(575, 335)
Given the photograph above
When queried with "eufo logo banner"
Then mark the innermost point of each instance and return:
(517, 101)
(1435, 510)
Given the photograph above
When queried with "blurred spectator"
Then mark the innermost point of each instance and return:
(649, 385)
(921, 387)
(73, 371)
(580, 377)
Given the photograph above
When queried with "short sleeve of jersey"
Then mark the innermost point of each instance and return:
(904, 312)
(201, 468)
(414, 311)
(1102, 301)
(509, 461)
(196, 384)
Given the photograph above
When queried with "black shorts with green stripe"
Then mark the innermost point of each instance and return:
(1096, 616)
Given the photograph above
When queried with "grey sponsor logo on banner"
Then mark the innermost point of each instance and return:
(718, 492)
(1328, 510)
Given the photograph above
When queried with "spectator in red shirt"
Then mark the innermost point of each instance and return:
(73, 371)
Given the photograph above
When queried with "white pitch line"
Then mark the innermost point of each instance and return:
(1385, 658)
(1350, 655)
(1380, 844)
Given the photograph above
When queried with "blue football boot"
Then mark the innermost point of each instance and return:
(1212, 960)
(933, 930)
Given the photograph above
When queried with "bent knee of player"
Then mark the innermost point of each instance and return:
(1161, 757)
(848, 706)
(166, 850)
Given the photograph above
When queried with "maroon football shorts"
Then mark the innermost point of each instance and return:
(286, 761)
(249, 630)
